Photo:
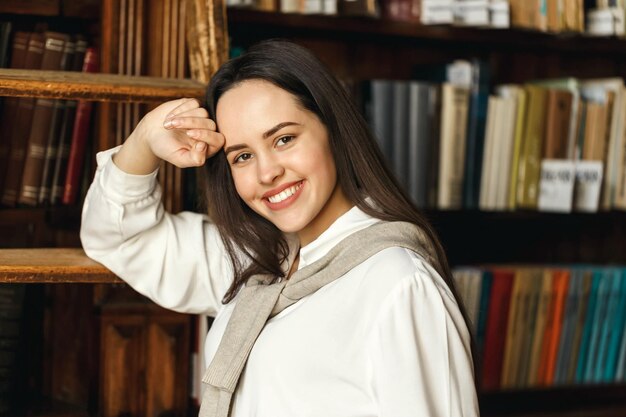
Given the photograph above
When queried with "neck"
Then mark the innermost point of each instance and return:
(335, 207)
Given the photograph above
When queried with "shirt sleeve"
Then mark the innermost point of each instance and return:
(178, 261)
(420, 351)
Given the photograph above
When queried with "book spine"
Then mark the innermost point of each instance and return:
(21, 127)
(476, 123)
(80, 135)
(42, 118)
(54, 136)
(9, 105)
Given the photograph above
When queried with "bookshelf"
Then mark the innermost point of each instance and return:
(361, 48)
(356, 49)
(87, 344)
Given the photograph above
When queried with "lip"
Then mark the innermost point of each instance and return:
(280, 189)
(287, 202)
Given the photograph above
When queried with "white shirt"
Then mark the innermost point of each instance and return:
(386, 339)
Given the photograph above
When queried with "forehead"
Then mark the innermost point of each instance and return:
(254, 106)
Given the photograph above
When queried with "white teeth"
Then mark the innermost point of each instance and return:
(285, 194)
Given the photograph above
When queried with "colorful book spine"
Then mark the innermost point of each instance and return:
(80, 135)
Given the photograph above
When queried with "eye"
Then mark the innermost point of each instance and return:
(242, 157)
(284, 140)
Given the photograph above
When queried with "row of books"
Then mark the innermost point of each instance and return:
(483, 13)
(43, 141)
(550, 145)
(542, 327)
(596, 17)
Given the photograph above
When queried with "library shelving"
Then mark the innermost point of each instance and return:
(117, 325)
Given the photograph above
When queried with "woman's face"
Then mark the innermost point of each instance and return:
(280, 159)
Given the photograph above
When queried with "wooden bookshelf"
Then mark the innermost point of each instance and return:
(51, 265)
(96, 87)
(262, 24)
(360, 48)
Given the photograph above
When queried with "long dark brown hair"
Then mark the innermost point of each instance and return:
(361, 171)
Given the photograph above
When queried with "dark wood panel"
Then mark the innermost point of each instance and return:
(122, 364)
(167, 365)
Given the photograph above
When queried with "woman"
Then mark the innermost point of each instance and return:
(331, 294)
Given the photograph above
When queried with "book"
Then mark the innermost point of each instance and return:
(483, 309)
(579, 325)
(80, 135)
(420, 139)
(614, 139)
(43, 114)
(21, 125)
(517, 94)
(399, 127)
(514, 334)
(554, 326)
(476, 123)
(487, 183)
(381, 117)
(544, 307)
(600, 316)
(528, 320)
(496, 328)
(9, 104)
(616, 332)
(66, 129)
(609, 324)
(531, 148)
(559, 113)
(5, 41)
(567, 333)
(586, 336)
(56, 124)
(454, 106)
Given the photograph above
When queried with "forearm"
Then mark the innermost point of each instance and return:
(135, 157)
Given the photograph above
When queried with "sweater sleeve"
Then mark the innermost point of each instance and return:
(178, 261)
(420, 351)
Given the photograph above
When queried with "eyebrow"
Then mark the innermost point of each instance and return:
(267, 134)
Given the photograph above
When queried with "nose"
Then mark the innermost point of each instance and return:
(269, 168)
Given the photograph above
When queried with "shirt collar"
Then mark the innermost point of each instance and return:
(350, 222)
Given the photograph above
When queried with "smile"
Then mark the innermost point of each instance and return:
(285, 194)
(285, 197)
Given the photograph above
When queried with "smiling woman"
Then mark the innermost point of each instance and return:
(286, 173)
(331, 294)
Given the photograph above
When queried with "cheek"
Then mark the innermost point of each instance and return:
(244, 184)
(321, 162)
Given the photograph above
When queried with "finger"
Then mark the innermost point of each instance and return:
(185, 105)
(195, 112)
(190, 157)
(214, 140)
(190, 123)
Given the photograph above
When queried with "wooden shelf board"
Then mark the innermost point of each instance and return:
(242, 20)
(52, 265)
(606, 400)
(95, 87)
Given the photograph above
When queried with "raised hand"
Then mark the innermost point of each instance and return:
(178, 131)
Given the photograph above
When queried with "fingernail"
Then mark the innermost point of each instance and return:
(200, 146)
(167, 123)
